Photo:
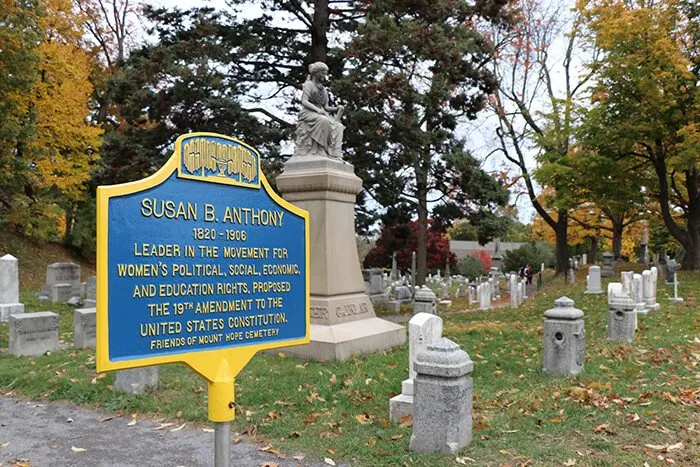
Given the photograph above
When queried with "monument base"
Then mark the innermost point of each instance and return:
(10, 309)
(676, 300)
(593, 292)
(399, 407)
(342, 341)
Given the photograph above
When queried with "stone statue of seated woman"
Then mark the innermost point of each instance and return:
(319, 131)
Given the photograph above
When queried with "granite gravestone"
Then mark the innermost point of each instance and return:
(593, 281)
(564, 339)
(608, 269)
(90, 292)
(9, 287)
(84, 330)
(33, 334)
(136, 380)
(62, 280)
(442, 412)
(622, 318)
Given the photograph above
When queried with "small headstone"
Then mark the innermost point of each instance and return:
(9, 287)
(60, 293)
(638, 294)
(442, 412)
(584, 259)
(62, 273)
(484, 293)
(394, 276)
(671, 266)
(136, 380)
(521, 293)
(513, 287)
(608, 269)
(91, 292)
(424, 301)
(33, 333)
(622, 318)
(84, 331)
(374, 286)
(564, 339)
(648, 291)
(593, 281)
(423, 330)
(572, 276)
(394, 306)
(627, 278)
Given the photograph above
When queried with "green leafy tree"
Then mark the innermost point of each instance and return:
(646, 102)
(416, 68)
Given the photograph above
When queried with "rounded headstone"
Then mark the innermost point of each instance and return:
(563, 309)
(443, 358)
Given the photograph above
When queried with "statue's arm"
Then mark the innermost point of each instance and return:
(307, 103)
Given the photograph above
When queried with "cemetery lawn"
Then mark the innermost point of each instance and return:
(632, 404)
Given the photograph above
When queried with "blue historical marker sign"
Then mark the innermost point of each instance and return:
(201, 256)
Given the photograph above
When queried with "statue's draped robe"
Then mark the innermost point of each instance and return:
(324, 132)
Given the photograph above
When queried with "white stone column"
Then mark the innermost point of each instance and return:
(9, 287)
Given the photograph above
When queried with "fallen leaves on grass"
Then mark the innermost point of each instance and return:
(397, 436)
(364, 419)
(604, 428)
(663, 448)
(463, 460)
(406, 421)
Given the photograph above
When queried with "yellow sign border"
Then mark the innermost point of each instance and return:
(216, 366)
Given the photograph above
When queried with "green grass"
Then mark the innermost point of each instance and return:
(627, 397)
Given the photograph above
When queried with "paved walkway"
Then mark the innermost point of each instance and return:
(39, 433)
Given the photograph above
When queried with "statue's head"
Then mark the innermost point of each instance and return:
(318, 70)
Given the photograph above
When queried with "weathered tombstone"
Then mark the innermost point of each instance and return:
(671, 266)
(593, 281)
(59, 274)
(676, 298)
(572, 276)
(608, 269)
(523, 284)
(584, 258)
(513, 286)
(91, 292)
(638, 294)
(564, 339)
(423, 330)
(442, 412)
(645, 247)
(497, 265)
(84, 330)
(654, 279)
(394, 276)
(9, 287)
(613, 288)
(622, 318)
(627, 278)
(33, 334)
(648, 291)
(473, 295)
(136, 380)
(424, 301)
(521, 293)
(485, 296)
(375, 286)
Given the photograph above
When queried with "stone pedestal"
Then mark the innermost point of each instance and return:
(442, 412)
(9, 288)
(622, 318)
(648, 287)
(84, 328)
(564, 339)
(343, 321)
(608, 269)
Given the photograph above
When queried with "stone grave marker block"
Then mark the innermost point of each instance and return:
(136, 380)
(33, 334)
(84, 328)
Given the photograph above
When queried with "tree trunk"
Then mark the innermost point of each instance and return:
(319, 40)
(691, 259)
(562, 245)
(594, 250)
(617, 239)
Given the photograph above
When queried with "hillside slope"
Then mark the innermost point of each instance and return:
(34, 257)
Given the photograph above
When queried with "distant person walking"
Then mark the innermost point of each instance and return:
(528, 274)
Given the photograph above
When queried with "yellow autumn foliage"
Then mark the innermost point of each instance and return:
(65, 143)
